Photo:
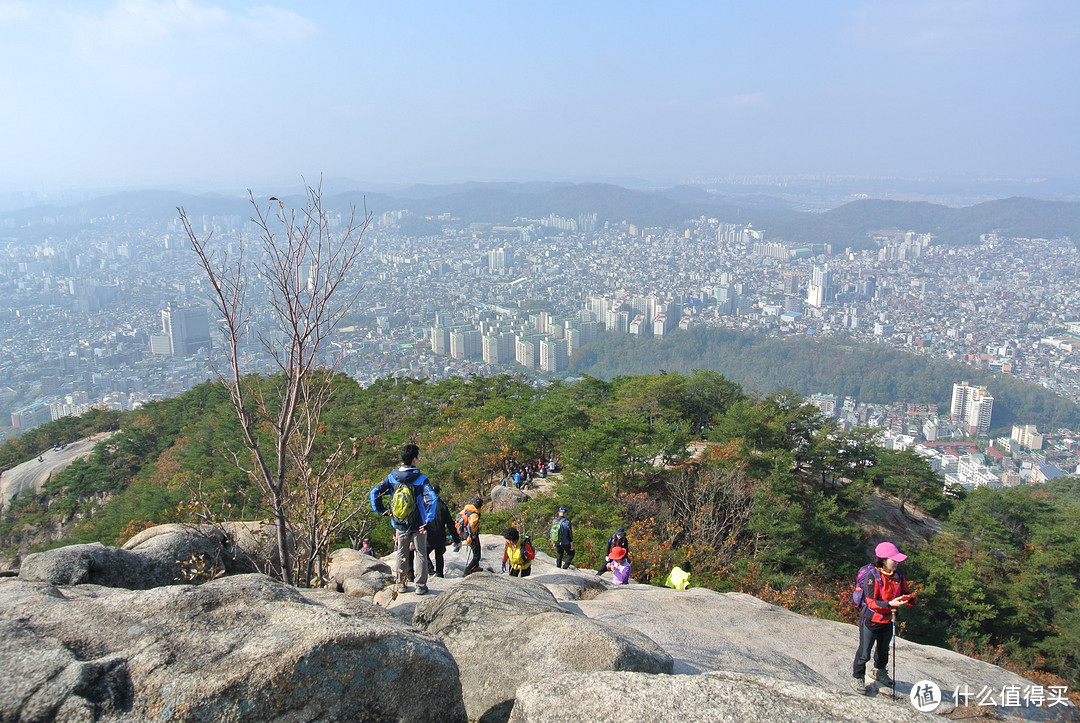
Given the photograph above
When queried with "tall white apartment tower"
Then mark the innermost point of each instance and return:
(972, 407)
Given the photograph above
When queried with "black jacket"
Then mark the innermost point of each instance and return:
(441, 526)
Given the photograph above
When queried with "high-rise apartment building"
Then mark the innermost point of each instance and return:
(820, 290)
(184, 330)
(972, 407)
(553, 355)
(440, 340)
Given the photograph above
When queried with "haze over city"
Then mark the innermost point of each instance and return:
(225, 96)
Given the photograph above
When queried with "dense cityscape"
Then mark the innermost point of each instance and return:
(119, 314)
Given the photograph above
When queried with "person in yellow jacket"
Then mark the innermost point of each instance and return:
(516, 554)
(678, 578)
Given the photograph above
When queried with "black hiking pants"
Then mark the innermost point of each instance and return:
(560, 551)
(437, 568)
(474, 556)
(869, 634)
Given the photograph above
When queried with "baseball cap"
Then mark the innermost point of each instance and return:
(888, 551)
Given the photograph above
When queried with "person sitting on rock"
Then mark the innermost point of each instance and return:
(515, 555)
(619, 566)
(616, 540)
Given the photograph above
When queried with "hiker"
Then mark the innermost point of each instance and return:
(679, 578)
(883, 589)
(562, 536)
(441, 527)
(468, 528)
(619, 566)
(367, 549)
(517, 553)
(616, 540)
(412, 508)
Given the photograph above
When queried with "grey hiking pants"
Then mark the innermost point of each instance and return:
(402, 538)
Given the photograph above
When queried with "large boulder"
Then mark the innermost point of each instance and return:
(242, 648)
(159, 555)
(505, 498)
(503, 631)
(240, 546)
(708, 698)
(358, 574)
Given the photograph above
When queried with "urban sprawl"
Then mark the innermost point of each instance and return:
(119, 314)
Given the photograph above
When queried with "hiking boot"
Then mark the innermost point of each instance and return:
(858, 685)
(882, 676)
(421, 589)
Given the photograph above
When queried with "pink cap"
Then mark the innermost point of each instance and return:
(888, 551)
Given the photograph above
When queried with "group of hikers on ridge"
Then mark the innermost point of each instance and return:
(417, 515)
(422, 525)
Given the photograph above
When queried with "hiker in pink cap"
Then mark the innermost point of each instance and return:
(880, 588)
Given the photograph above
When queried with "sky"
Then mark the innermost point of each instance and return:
(221, 95)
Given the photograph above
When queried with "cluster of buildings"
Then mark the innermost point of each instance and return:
(117, 313)
(948, 441)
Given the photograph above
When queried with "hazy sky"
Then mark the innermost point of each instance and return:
(223, 94)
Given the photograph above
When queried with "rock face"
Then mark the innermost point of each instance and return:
(707, 631)
(242, 648)
(157, 556)
(504, 631)
(706, 698)
(504, 498)
(241, 546)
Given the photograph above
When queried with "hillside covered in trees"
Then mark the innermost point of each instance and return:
(872, 373)
(772, 503)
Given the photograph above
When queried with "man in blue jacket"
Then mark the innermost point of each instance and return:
(412, 508)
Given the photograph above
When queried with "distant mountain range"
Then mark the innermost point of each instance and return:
(503, 203)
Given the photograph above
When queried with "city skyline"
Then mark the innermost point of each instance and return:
(183, 93)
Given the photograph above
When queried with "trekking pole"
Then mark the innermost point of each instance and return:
(894, 655)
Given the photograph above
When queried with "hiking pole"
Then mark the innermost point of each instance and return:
(894, 654)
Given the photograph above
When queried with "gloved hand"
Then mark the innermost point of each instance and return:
(503, 567)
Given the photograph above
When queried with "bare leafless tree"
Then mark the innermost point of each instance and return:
(303, 264)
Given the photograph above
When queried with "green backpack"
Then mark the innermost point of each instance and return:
(403, 503)
(556, 528)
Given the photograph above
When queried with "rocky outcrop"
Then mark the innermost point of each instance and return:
(239, 546)
(242, 648)
(505, 498)
(504, 631)
(358, 574)
(162, 555)
(707, 698)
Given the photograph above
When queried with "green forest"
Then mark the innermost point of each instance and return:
(772, 501)
(871, 373)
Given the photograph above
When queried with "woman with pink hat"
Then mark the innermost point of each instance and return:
(883, 589)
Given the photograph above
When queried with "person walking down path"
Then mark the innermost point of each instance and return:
(880, 589)
(469, 530)
(441, 527)
(516, 554)
(562, 536)
(616, 540)
(412, 508)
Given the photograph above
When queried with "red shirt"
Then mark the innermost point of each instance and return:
(877, 596)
